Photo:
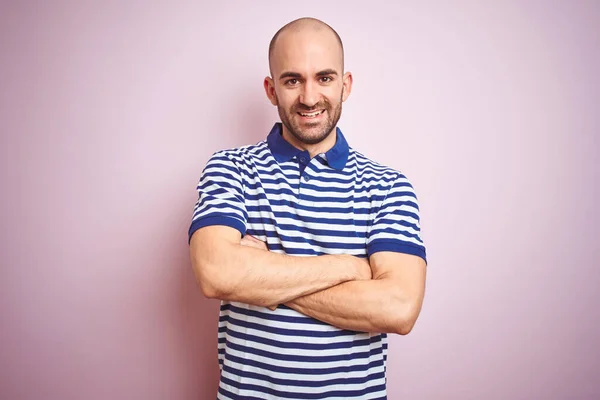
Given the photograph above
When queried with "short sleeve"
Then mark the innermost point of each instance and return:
(220, 196)
(396, 226)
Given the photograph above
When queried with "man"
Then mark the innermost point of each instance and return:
(313, 248)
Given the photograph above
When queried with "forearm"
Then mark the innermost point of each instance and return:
(234, 272)
(359, 306)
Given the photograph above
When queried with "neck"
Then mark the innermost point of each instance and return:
(313, 149)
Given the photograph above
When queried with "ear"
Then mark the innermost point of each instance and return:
(347, 83)
(270, 90)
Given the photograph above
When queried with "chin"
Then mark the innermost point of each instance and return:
(313, 139)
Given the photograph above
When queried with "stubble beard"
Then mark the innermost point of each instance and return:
(310, 139)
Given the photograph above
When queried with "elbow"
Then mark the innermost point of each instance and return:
(209, 290)
(209, 260)
(404, 319)
(404, 327)
(214, 289)
(211, 286)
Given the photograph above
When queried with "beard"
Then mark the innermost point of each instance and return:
(311, 133)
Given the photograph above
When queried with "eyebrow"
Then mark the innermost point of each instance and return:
(289, 74)
(327, 72)
(296, 75)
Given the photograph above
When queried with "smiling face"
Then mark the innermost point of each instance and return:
(308, 85)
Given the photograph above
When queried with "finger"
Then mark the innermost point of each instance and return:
(256, 245)
(255, 241)
(248, 243)
(250, 237)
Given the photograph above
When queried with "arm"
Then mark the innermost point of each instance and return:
(390, 302)
(228, 270)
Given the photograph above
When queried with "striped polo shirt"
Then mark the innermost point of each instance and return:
(338, 202)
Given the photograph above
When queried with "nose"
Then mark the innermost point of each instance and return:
(310, 94)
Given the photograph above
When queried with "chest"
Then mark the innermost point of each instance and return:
(311, 211)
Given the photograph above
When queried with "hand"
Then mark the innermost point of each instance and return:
(251, 241)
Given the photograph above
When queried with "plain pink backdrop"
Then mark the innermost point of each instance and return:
(109, 110)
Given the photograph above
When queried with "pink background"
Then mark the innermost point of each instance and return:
(108, 112)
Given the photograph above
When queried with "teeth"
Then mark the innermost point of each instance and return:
(314, 114)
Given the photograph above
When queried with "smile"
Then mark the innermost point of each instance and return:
(312, 114)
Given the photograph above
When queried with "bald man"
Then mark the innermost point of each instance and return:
(313, 249)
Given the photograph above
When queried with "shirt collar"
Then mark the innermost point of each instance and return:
(283, 151)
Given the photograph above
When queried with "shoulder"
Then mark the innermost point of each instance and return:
(240, 154)
(365, 165)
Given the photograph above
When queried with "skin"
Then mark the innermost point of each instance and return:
(226, 269)
(390, 302)
(383, 294)
(307, 75)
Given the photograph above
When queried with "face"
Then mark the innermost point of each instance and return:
(311, 124)
(307, 86)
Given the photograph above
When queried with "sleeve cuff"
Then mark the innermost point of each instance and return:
(216, 220)
(397, 247)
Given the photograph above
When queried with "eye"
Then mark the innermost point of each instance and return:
(291, 82)
(326, 79)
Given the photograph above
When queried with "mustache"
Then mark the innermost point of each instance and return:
(319, 106)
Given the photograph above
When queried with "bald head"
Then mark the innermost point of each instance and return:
(305, 26)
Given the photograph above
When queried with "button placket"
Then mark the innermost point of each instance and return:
(304, 176)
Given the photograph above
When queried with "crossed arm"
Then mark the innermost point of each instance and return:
(381, 295)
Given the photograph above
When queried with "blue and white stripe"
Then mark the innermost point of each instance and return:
(339, 202)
